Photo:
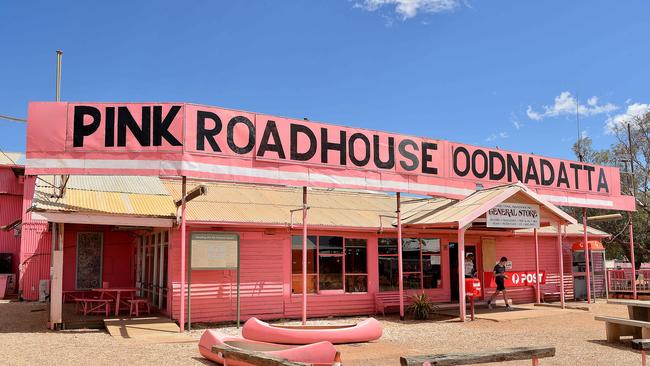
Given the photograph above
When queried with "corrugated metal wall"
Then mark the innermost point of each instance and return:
(10, 210)
(35, 247)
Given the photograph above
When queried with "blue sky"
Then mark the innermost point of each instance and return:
(490, 73)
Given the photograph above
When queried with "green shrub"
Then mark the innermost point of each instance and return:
(421, 307)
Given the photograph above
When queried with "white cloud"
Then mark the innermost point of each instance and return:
(620, 120)
(566, 104)
(495, 136)
(514, 119)
(410, 8)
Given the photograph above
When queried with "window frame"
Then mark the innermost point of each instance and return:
(344, 273)
(421, 272)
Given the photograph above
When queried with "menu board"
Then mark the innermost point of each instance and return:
(211, 251)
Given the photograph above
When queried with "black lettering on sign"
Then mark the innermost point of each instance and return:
(531, 171)
(515, 167)
(271, 130)
(483, 156)
(390, 163)
(366, 143)
(161, 126)
(457, 152)
(602, 181)
(426, 158)
(141, 133)
(230, 135)
(326, 146)
(81, 130)
(493, 157)
(589, 169)
(109, 131)
(203, 134)
(311, 151)
(575, 168)
(547, 180)
(562, 177)
(401, 147)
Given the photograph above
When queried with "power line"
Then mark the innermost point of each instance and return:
(15, 119)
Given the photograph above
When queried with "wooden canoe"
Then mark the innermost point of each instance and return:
(364, 331)
(321, 353)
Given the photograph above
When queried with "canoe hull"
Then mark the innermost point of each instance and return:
(364, 331)
(321, 353)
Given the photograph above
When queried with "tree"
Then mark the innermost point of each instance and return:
(631, 153)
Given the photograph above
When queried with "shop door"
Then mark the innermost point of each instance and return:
(453, 266)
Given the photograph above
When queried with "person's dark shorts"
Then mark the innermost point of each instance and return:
(500, 285)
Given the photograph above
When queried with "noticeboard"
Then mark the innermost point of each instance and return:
(211, 251)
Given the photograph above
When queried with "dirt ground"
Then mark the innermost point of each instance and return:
(579, 339)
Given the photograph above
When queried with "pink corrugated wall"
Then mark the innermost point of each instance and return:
(10, 210)
(35, 247)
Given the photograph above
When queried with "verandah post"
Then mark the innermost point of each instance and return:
(587, 271)
(304, 255)
(561, 263)
(632, 260)
(183, 193)
(400, 269)
(461, 273)
(537, 280)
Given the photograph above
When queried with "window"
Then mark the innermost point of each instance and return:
(420, 264)
(333, 264)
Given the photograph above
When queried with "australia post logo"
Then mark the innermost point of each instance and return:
(202, 130)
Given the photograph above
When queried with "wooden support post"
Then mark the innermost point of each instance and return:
(182, 295)
(304, 255)
(461, 274)
(537, 281)
(400, 269)
(561, 263)
(632, 259)
(586, 240)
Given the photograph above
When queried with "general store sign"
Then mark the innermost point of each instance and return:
(517, 278)
(175, 139)
(513, 215)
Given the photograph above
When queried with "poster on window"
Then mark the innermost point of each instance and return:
(513, 216)
(89, 260)
(211, 251)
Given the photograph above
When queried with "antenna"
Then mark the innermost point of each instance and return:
(578, 125)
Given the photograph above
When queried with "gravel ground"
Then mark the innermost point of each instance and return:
(579, 339)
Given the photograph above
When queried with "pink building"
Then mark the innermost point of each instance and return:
(124, 231)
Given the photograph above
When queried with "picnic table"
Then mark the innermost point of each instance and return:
(637, 309)
(115, 294)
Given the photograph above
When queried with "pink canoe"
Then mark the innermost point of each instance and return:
(365, 331)
(321, 353)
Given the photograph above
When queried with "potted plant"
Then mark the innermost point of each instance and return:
(421, 307)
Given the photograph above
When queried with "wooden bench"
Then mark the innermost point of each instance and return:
(134, 306)
(90, 306)
(617, 327)
(259, 358)
(642, 345)
(388, 300)
(506, 354)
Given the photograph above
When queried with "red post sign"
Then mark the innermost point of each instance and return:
(517, 278)
(208, 142)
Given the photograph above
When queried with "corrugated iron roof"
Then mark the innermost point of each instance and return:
(117, 195)
(12, 158)
(571, 229)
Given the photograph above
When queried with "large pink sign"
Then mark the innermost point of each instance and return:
(172, 139)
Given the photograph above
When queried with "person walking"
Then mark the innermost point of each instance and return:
(500, 277)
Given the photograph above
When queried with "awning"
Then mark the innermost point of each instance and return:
(593, 245)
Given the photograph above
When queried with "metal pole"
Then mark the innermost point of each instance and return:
(537, 290)
(59, 55)
(189, 289)
(587, 270)
(238, 286)
(400, 269)
(461, 273)
(183, 193)
(304, 255)
(606, 279)
(561, 263)
(632, 260)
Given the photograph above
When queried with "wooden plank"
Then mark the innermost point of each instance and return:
(624, 321)
(255, 358)
(638, 303)
(641, 344)
(506, 354)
